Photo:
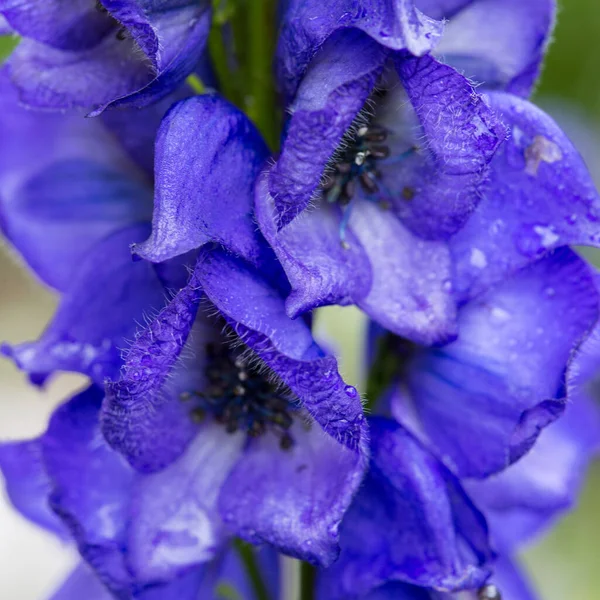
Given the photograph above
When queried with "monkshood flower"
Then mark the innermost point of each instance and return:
(71, 483)
(404, 166)
(249, 294)
(517, 503)
(482, 399)
(95, 54)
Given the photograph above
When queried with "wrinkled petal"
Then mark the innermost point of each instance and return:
(292, 499)
(335, 88)
(411, 522)
(308, 23)
(540, 196)
(500, 43)
(97, 315)
(441, 9)
(90, 486)
(172, 35)
(177, 524)
(142, 416)
(82, 583)
(64, 185)
(256, 312)
(459, 134)
(483, 399)
(62, 24)
(27, 483)
(208, 156)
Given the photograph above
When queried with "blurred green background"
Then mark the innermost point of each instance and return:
(564, 564)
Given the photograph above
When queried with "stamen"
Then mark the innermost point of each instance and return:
(240, 398)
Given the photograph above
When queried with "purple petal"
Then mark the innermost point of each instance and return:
(82, 583)
(500, 43)
(64, 185)
(108, 295)
(5, 28)
(484, 398)
(62, 24)
(177, 524)
(320, 270)
(441, 9)
(162, 48)
(293, 499)
(142, 416)
(540, 197)
(411, 522)
(446, 174)
(91, 486)
(257, 314)
(208, 156)
(335, 88)
(308, 23)
(173, 36)
(527, 497)
(59, 79)
(27, 483)
(511, 581)
(410, 292)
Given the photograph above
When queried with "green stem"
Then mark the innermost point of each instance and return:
(261, 98)
(248, 557)
(307, 581)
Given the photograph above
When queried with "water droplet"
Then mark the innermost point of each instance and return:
(351, 391)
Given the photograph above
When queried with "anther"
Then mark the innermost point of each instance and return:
(359, 159)
(239, 390)
(408, 193)
(286, 441)
(489, 592)
(368, 183)
(379, 152)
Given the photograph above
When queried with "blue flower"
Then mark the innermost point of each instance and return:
(402, 161)
(92, 55)
(380, 558)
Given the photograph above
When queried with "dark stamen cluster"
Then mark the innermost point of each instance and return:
(357, 162)
(240, 398)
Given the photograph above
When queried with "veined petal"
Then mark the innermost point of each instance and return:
(98, 313)
(410, 522)
(256, 312)
(208, 156)
(306, 26)
(499, 43)
(484, 398)
(177, 524)
(296, 501)
(445, 175)
(540, 196)
(64, 185)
